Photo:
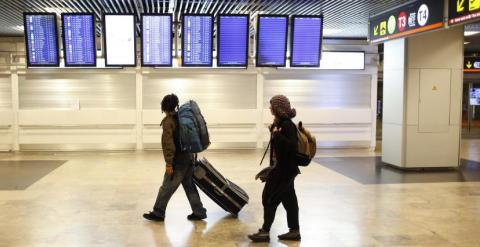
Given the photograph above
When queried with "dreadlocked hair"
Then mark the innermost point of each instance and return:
(169, 103)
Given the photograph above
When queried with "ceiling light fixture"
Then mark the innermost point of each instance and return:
(470, 33)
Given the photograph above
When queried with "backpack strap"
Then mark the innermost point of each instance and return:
(265, 154)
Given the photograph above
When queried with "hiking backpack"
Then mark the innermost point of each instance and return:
(307, 146)
(192, 132)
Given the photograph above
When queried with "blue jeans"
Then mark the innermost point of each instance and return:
(183, 174)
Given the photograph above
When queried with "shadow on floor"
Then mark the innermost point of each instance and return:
(371, 170)
(21, 174)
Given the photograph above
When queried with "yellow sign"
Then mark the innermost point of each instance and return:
(375, 30)
(383, 28)
(469, 64)
(473, 5)
(460, 5)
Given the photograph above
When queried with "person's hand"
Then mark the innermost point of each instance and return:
(169, 169)
(275, 130)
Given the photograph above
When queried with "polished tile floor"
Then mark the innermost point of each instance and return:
(97, 199)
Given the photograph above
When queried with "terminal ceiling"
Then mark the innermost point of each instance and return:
(343, 18)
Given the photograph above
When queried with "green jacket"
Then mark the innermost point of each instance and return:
(171, 154)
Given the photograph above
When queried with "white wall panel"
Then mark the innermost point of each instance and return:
(69, 118)
(320, 90)
(327, 116)
(6, 134)
(434, 109)
(6, 113)
(6, 118)
(211, 91)
(5, 92)
(212, 116)
(393, 102)
(62, 90)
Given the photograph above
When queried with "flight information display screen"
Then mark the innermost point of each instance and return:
(119, 35)
(233, 40)
(79, 39)
(157, 40)
(306, 46)
(41, 39)
(272, 41)
(197, 36)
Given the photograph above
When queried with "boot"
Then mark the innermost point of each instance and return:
(260, 236)
(194, 217)
(293, 235)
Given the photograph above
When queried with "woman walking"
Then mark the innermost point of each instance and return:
(279, 187)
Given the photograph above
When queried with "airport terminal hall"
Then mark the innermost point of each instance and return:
(235, 123)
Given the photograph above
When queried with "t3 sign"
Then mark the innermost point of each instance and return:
(460, 11)
(411, 18)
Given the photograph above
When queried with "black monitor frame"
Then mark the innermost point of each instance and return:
(94, 40)
(257, 64)
(105, 41)
(183, 41)
(292, 40)
(170, 36)
(219, 36)
(25, 14)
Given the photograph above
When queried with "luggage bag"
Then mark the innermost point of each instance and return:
(225, 193)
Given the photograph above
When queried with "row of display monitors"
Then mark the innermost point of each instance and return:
(156, 40)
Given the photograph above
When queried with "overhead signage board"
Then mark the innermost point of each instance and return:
(461, 11)
(157, 40)
(119, 38)
(41, 39)
(232, 45)
(79, 40)
(197, 40)
(272, 40)
(471, 64)
(475, 96)
(306, 44)
(412, 18)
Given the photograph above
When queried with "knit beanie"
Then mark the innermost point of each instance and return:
(281, 107)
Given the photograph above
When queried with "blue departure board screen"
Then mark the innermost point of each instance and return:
(272, 41)
(306, 46)
(197, 40)
(157, 40)
(41, 39)
(79, 39)
(233, 40)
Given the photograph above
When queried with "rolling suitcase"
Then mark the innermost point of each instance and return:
(221, 190)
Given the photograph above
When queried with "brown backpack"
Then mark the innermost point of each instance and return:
(307, 146)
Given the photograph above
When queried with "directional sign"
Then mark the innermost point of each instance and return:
(461, 11)
(471, 64)
(408, 19)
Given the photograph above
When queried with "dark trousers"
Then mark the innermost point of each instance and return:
(183, 175)
(274, 193)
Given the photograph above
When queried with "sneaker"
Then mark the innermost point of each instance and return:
(293, 235)
(195, 217)
(153, 217)
(260, 236)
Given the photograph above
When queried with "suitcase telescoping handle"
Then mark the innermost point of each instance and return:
(218, 191)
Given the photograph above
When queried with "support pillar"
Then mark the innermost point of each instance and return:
(423, 79)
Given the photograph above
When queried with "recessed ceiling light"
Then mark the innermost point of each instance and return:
(470, 33)
(331, 31)
(58, 10)
(466, 43)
